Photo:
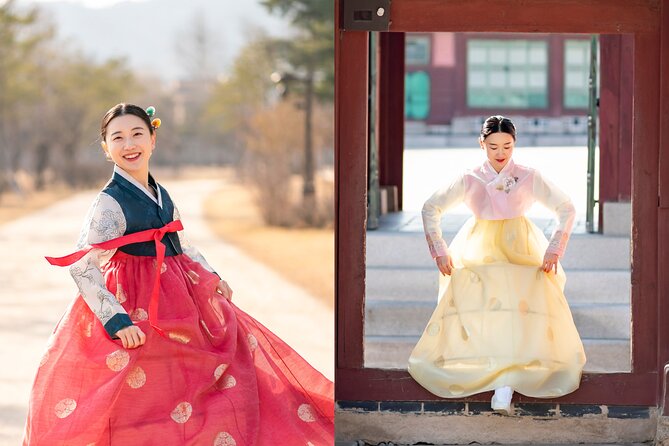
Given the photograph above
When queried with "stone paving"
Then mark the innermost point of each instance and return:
(33, 294)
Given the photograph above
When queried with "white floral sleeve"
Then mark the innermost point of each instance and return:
(190, 250)
(557, 201)
(105, 221)
(441, 201)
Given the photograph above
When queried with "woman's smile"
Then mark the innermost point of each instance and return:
(132, 156)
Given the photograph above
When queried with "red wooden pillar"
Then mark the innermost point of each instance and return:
(663, 211)
(391, 111)
(615, 118)
(351, 130)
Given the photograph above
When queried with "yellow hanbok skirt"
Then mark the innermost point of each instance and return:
(500, 320)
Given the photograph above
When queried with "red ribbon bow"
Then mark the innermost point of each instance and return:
(143, 236)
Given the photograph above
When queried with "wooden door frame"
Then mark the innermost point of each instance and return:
(648, 22)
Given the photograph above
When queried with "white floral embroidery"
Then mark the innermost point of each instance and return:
(105, 221)
(507, 183)
(109, 225)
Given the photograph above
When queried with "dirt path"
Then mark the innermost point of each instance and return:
(33, 294)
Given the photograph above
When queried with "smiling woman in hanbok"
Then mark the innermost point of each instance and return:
(502, 321)
(152, 351)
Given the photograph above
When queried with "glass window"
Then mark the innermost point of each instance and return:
(416, 95)
(417, 50)
(576, 73)
(507, 73)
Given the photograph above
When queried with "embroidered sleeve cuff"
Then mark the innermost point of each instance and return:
(117, 322)
(558, 243)
(437, 248)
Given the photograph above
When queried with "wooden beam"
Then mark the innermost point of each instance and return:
(664, 111)
(552, 16)
(645, 150)
(398, 385)
(351, 89)
(663, 215)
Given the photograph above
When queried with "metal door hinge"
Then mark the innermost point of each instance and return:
(366, 15)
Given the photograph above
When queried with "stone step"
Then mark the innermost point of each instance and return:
(409, 249)
(422, 284)
(393, 352)
(408, 318)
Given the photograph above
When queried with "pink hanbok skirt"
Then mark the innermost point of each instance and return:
(216, 377)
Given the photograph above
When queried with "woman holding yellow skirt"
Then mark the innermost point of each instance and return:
(502, 321)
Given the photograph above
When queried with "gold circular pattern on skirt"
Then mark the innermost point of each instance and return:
(488, 259)
(494, 303)
(136, 378)
(224, 439)
(474, 277)
(433, 328)
(451, 302)
(139, 314)
(65, 407)
(463, 333)
(163, 267)
(117, 360)
(229, 382)
(523, 307)
(219, 371)
(253, 342)
(179, 337)
(120, 294)
(182, 412)
(306, 413)
(536, 364)
(456, 389)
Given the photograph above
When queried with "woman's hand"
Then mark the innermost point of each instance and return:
(224, 289)
(550, 262)
(445, 264)
(132, 336)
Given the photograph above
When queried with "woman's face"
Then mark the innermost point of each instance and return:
(129, 143)
(499, 148)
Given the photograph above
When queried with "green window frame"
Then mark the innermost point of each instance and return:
(576, 73)
(417, 50)
(507, 73)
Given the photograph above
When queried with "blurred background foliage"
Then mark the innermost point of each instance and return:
(269, 115)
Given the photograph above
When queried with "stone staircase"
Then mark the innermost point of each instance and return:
(402, 284)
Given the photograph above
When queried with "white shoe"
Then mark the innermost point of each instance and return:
(501, 400)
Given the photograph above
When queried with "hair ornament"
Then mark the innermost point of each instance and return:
(156, 123)
(151, 111)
